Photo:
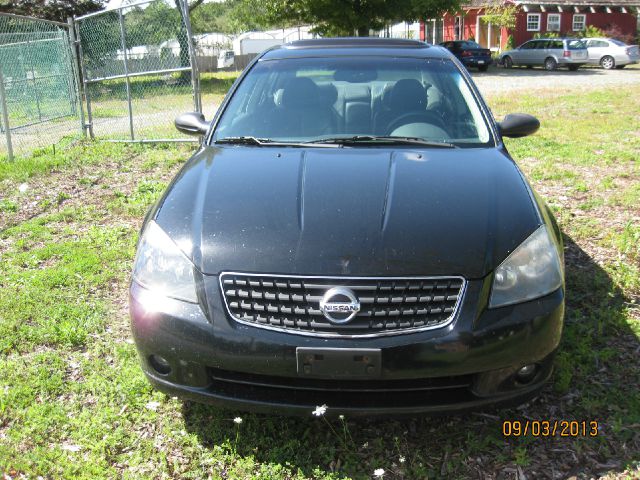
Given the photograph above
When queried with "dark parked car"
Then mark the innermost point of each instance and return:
(353, 233)
(470, 53)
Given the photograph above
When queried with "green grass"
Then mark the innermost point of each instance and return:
(74, 403)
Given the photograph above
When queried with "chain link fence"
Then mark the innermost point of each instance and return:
(138, 71)
(39, 101)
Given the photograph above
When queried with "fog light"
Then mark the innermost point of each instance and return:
(526, 373)
(159, 364)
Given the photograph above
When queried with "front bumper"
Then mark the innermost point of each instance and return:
(468, 364)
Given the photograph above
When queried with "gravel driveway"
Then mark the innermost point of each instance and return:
(499, 80)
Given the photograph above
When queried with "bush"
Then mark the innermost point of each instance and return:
(510, 43)
(547, 35)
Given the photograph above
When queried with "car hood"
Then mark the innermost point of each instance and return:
(366, 211)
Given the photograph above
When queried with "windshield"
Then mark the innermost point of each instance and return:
(309, 99)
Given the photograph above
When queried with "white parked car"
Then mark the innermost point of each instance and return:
(611, 53)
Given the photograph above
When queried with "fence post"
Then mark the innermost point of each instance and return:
(126, 70)
(76, 73)
(5, 116)
(85, 83)
(195, 76)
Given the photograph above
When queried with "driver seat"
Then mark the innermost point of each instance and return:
(406, 96)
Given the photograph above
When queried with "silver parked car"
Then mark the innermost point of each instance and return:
(549, 53)
(611, 53)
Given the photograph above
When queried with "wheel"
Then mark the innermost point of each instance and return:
(507, 62)
(483, 68)
(620, 67)
(607, 62)
(550, 64)
(573, 68)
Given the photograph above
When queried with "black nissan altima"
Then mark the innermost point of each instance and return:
(353, 233)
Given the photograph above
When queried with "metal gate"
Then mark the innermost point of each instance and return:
(39, 100)
(138, 70)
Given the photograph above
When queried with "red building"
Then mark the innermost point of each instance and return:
(563, 17)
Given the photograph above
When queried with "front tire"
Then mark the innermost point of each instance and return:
(507, 62)
(607, 62)
(550, 64)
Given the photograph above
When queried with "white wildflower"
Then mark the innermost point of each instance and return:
(378, 472)
(71, 448)
(237, 420)
(402, 459)
(341, 417)
(23, 187)
(153, 405)
(320, 411)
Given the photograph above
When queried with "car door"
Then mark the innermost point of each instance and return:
(539, 52)
(596, 49)
(522, 54)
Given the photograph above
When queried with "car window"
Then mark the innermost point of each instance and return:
(469, 44)
(576, 44)
(617, 42)
(308, 99)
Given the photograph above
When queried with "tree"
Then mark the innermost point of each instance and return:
(503, 16)
(58, 10)
(340, 17)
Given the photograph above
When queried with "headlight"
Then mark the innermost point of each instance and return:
(161, 267)
(531, 271)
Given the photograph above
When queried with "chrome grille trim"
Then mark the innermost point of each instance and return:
(246, 299)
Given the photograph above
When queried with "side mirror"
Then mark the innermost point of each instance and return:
(516, 125)
(192, 123)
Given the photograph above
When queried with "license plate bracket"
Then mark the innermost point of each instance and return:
(339, 363)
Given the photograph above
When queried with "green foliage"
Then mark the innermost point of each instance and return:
(590, 31)
(58, 10)
(546, 35)
(214, 17)
(337, 17)
(503, 16)
(510, 45)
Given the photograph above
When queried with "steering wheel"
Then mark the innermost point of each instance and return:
(416, 117)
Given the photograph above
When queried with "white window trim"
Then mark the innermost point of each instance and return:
(461, 26)
(555, 15)
(537, 15)
(584, 22)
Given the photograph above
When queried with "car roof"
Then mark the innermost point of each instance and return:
(349, 46)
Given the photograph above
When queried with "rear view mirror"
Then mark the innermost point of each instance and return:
(517, 125)
(192, 123)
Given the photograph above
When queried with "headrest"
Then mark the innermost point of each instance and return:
(407, 94)
(300, 92)
(328, 94)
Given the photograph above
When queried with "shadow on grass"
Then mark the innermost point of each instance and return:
(596, 378)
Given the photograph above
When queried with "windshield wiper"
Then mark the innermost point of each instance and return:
(383, 139)
(244, 141)
(248, 140)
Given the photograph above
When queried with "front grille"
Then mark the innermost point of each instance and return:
(387, 305)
